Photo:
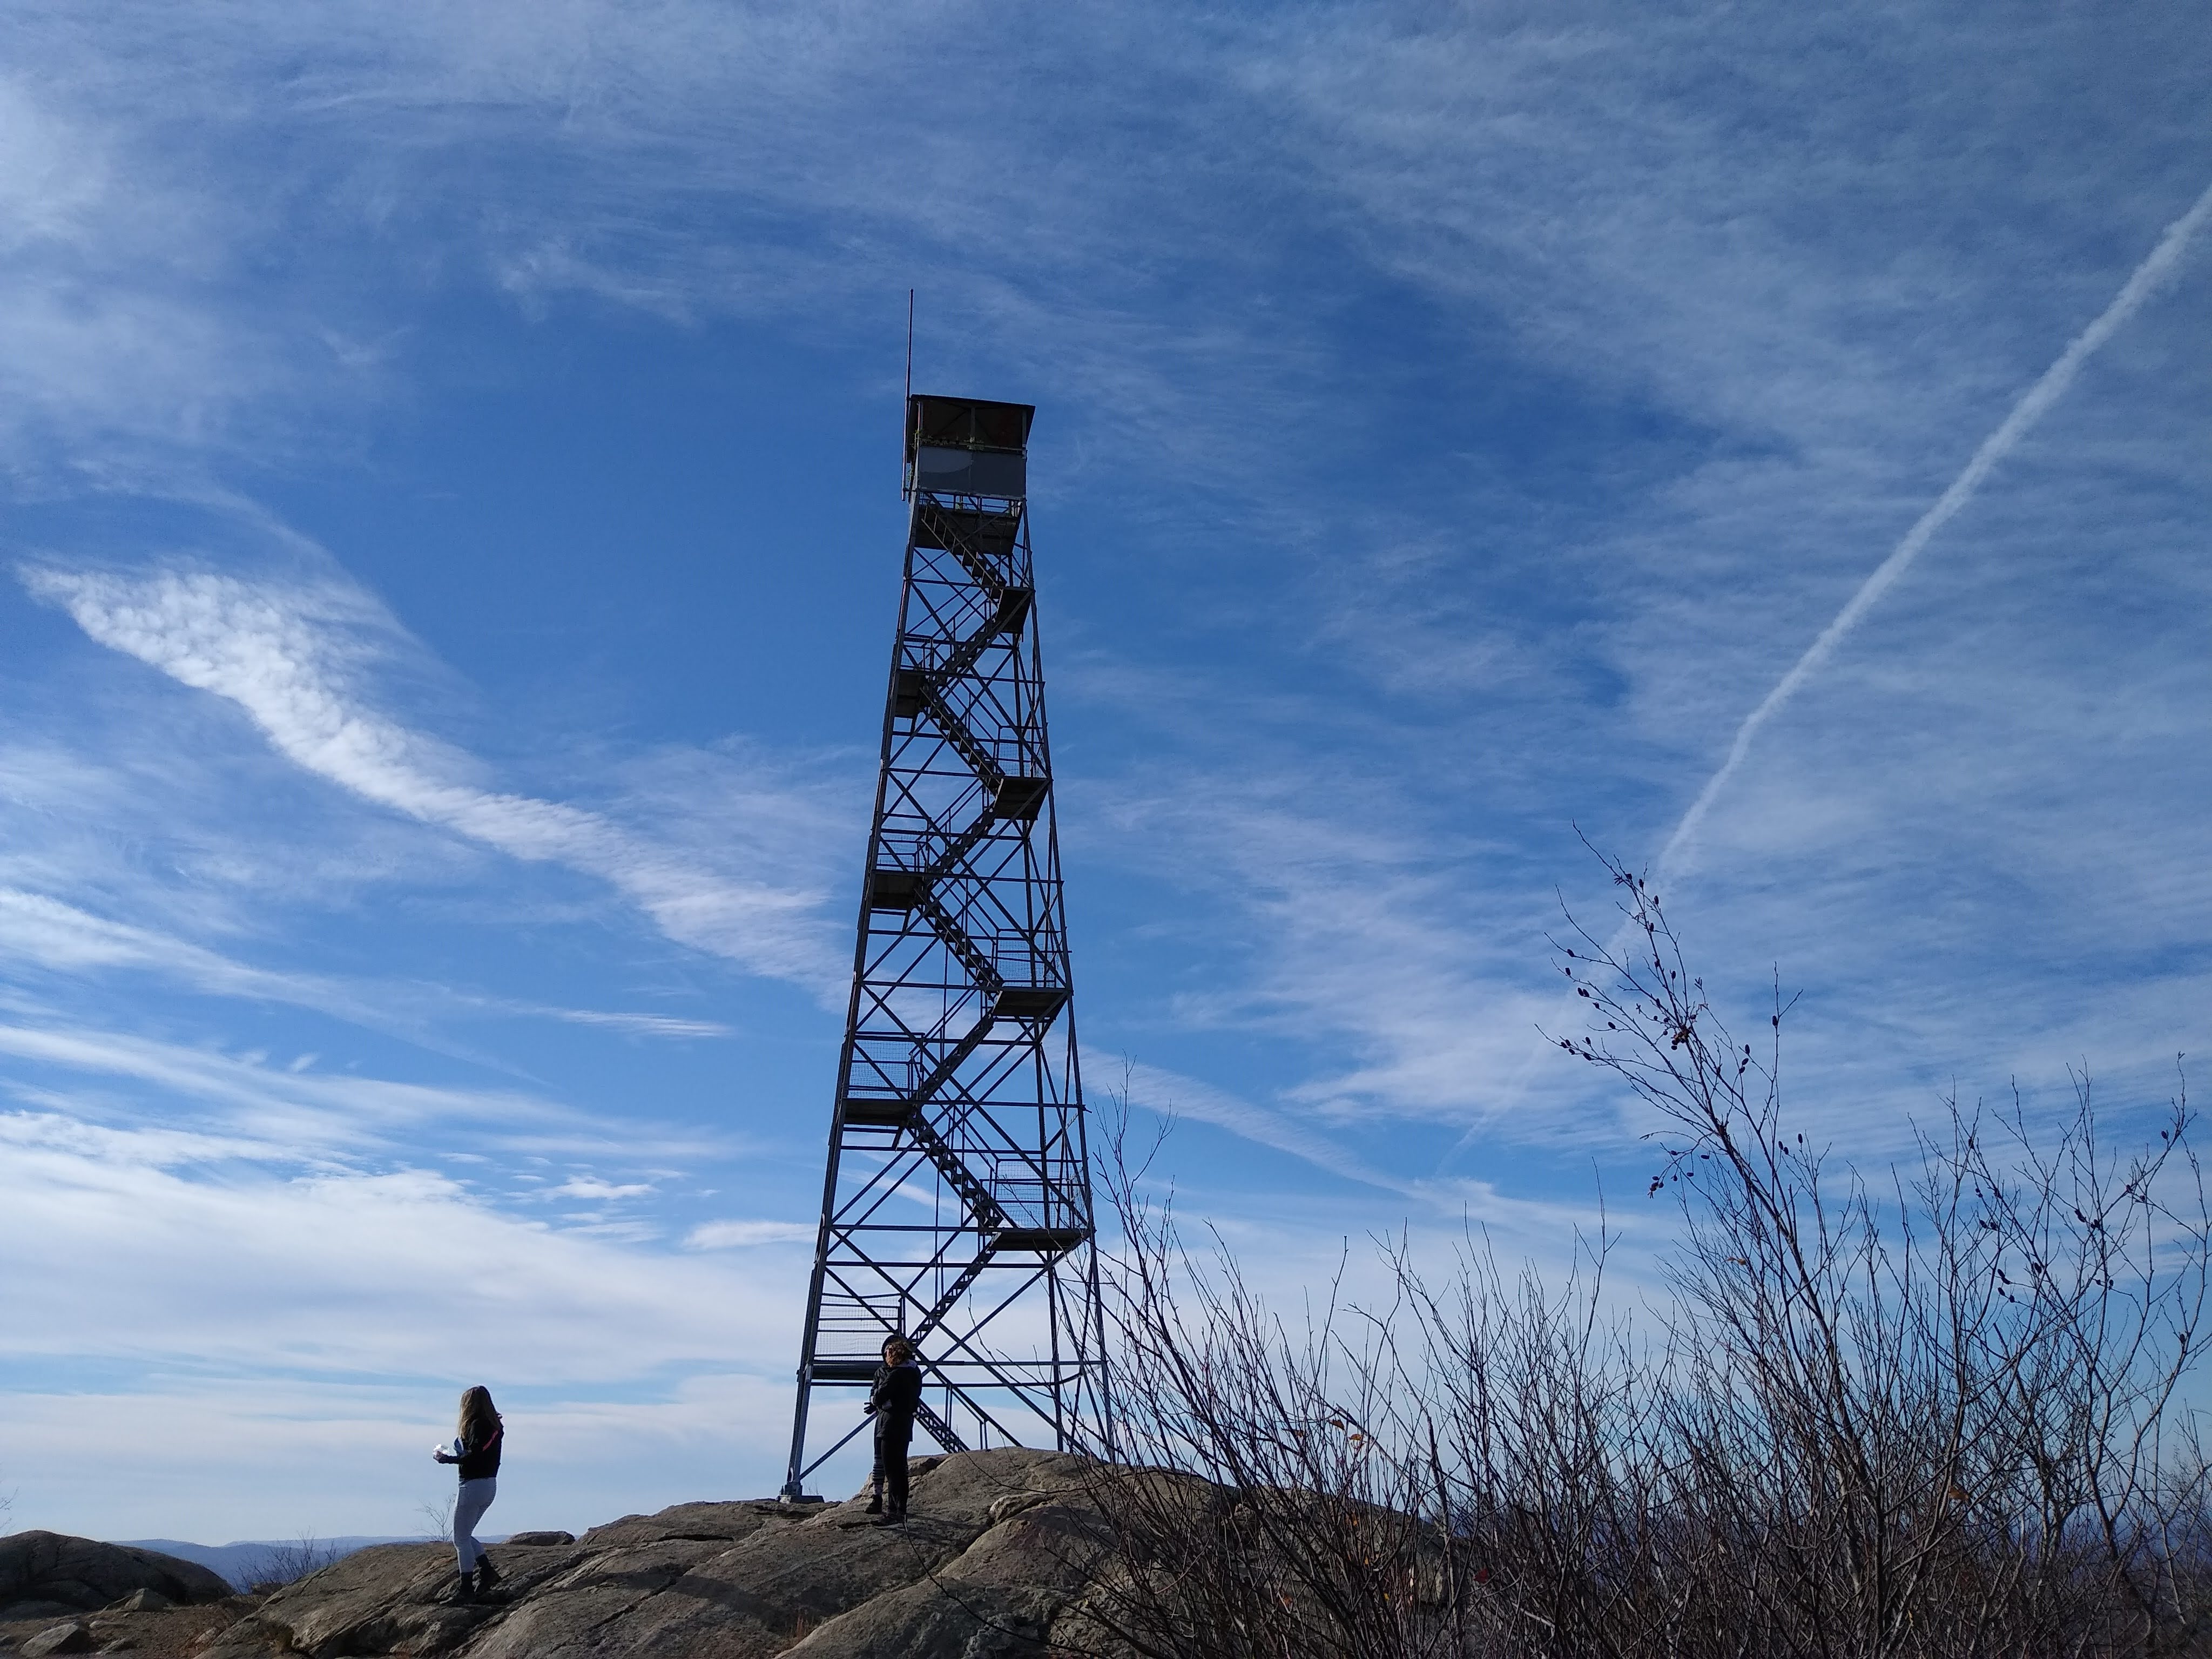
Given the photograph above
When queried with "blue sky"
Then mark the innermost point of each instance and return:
(452, 540)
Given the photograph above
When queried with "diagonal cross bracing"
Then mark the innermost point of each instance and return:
(957, 1204)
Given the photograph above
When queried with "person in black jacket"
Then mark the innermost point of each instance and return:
(892, 1400)
(476, 1448)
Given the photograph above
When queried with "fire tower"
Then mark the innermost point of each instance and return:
(957, 1207)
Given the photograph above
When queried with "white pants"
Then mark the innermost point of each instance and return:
(468, 1509)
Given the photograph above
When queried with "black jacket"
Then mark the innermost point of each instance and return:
(896, 1392)
(480, 1452)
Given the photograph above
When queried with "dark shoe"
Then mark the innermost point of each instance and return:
(465, 1588)
(893, 1518)
(487, 1575)
(875, 1505)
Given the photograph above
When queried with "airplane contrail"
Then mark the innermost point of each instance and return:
(2034, 405)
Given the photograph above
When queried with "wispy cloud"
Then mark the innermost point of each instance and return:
(294, 1116)
(292, 659)
(1430, 1201)
(598, 1191)
(742, 1235)
(1372, 946)
(64, 939)
(658, 1025)
(47, 931)
(1165, 1094)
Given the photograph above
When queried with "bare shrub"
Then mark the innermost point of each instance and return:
(438, 1517)
(1937, 1416)
(285, 1563)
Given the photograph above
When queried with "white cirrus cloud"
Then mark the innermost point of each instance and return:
(598, 1191)
(47, 933)
(279, 1113)
(658, 1025)
(296, 1115)
(738, 1235)
(292, 656)
(37, 928)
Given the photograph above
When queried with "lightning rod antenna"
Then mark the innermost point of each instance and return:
(906, 408)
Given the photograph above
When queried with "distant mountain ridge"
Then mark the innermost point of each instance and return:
(255, 1560)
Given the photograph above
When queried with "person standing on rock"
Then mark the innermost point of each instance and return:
(476, 1448)
(892, 1401)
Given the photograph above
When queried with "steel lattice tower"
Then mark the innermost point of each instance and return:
(956, 1207)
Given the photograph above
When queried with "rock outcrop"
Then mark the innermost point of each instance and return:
(49, 1575)
(994, 1556)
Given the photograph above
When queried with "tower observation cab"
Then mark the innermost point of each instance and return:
(956, 1203)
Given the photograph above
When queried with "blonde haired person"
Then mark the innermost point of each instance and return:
(476, 1448)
